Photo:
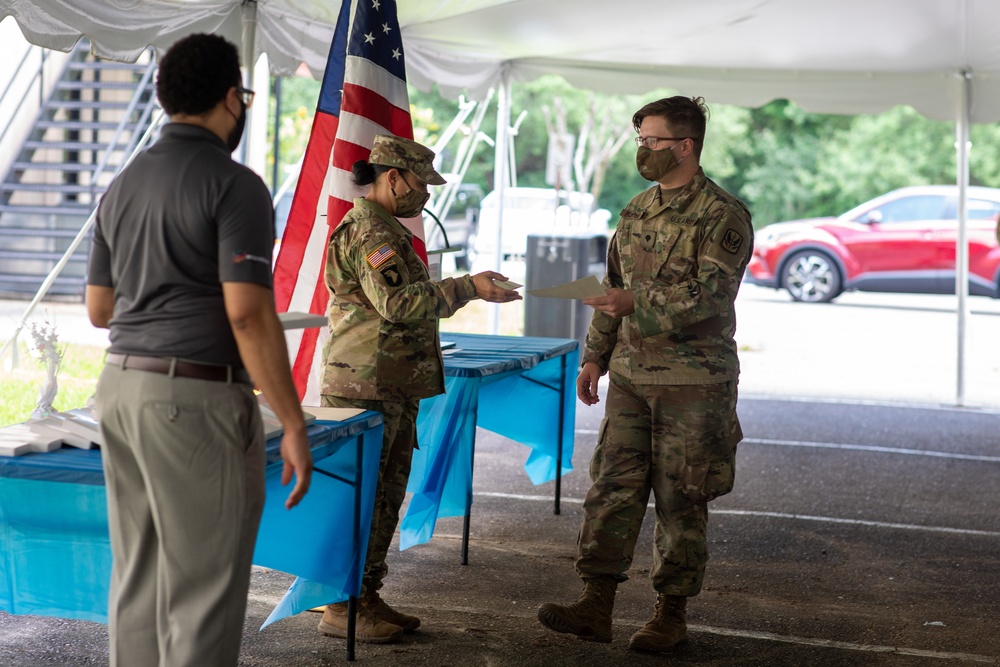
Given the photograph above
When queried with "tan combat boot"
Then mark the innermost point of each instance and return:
(368, 629)
(589, 617)
(667, 630)
(377, 606)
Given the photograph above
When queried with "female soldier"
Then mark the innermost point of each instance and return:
(384, 352)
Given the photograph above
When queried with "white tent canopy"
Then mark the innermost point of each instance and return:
(848, 56)
(832, 56)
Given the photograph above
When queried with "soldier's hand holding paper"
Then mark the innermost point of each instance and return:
(616, 302)
(491, 286)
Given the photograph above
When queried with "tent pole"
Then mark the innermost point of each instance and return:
(248, 49)
(961, 241)
(500, 181)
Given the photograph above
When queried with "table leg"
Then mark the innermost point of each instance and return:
(352, 611)
(468, 504)
(562, 425)
(352, 606)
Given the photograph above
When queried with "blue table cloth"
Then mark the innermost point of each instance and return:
(523, 388)
(55, 554)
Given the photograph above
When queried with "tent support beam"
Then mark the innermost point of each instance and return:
(962, 239)
(500, 179)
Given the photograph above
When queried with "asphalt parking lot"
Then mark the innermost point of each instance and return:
(862, 529)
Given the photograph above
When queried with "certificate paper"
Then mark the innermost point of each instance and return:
(584, 288)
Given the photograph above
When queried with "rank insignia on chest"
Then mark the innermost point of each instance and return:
(380, 255)
(732, 241)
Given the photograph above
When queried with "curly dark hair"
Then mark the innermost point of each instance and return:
(196, 73)
(687, 116)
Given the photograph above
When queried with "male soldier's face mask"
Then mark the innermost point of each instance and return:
(654, 165)
(411, 203)
(234, 138)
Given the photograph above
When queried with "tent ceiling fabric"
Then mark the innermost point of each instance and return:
(843, 56)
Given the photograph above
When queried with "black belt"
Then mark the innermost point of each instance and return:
(178, 368)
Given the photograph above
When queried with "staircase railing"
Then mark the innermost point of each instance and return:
(112, 145)
(11, 343)
(14, 77)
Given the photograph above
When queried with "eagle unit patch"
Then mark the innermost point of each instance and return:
(731, 241)
(391, 275)
(380, 255)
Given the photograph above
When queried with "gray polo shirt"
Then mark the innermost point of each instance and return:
(174, 225)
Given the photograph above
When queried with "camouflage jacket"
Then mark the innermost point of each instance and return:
(683, 261)
(384, 311)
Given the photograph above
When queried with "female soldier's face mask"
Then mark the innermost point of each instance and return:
(410, 204)
(654, 165)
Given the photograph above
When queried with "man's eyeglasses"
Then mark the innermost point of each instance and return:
(246, 95)
(652, 142)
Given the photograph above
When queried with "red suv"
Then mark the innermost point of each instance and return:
(903, 241)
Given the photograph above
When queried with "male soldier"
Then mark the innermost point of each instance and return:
(384, 352)
(664, 330)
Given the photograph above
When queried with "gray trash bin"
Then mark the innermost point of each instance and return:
(554, 260)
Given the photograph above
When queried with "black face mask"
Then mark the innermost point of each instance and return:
(234, 138)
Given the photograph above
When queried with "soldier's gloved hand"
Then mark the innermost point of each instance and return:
(616, 302)
(487, 291)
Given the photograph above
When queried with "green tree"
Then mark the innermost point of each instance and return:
(783, 162)
(299, 96)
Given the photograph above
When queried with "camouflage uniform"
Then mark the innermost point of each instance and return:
(670, 424)
(384, 352)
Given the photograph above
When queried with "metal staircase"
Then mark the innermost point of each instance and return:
(86, 128)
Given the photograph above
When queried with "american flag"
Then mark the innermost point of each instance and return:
(363, 94)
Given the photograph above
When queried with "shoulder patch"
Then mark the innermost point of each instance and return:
(380, 255)
(392, 277)
(731, 241)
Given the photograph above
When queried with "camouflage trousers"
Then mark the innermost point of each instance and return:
(678, 441)
(398, 442)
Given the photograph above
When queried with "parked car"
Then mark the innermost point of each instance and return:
(903, 241)
(460, 224)
(535, 211)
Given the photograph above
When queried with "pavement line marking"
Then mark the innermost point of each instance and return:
(859, 522)
(849, 646)
(273, 600)
(872, 448)
(771, 515)
(913, 405)
(848, 446)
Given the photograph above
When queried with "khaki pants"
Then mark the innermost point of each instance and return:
(678, 441)
(398, 442)
(184, 468)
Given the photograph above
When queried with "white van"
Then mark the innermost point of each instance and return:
(535, 211)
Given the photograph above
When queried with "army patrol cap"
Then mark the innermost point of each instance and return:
(392, 151)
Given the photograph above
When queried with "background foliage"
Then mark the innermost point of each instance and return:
(783, 162)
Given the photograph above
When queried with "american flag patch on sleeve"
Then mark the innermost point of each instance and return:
(380, 255)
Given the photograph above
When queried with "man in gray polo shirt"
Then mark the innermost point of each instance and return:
(180, 272)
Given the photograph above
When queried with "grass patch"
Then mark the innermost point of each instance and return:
(19, 388)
